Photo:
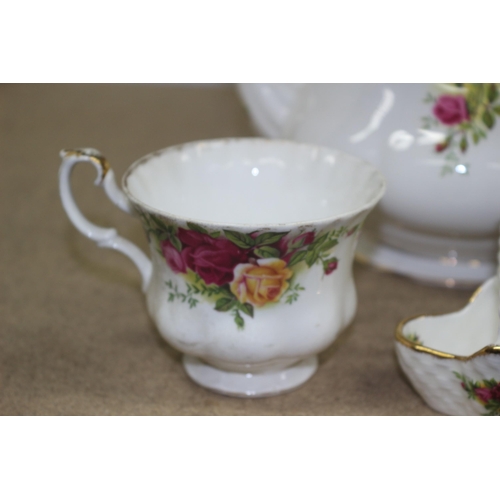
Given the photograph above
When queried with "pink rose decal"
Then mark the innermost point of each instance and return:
(462, 114)
(175, 259)
(451, 109)
(289, 247)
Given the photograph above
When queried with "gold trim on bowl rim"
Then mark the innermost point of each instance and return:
(490, 349)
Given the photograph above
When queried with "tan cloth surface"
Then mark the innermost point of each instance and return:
(75, 337)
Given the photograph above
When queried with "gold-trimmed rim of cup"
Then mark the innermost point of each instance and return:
(490, 349)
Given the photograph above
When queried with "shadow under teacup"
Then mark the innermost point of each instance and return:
(252, 243)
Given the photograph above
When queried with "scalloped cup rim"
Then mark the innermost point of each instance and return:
(254, 226)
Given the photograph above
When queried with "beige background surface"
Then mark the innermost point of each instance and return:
(75, 338)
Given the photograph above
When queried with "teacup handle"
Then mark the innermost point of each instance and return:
(104, 237)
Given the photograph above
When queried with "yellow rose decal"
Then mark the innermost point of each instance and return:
(262, 282)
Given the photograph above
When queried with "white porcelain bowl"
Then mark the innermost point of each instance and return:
(452, 360)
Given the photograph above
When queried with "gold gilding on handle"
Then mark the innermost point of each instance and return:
(89, 154)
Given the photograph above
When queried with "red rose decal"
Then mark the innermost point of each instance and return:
(175, 259)
(213, 259)
(245, 270)
(495, 392)
(304, 239)
(331, 266)
(191, 238)
(483, 394)
(352, 231)
(451, 109)
(486, 394)
(441, 147)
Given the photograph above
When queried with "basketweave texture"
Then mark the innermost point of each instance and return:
(440, 381)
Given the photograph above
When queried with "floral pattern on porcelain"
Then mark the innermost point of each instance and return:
(485, 392)
(463, 113)
(236, 271)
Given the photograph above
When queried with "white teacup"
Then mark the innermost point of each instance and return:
(252, 243)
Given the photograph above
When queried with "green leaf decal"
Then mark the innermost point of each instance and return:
(298, 257)
(318, 242)
(463, 144)
(312, 257)
(197, 228)
(156, 220)
(247, 309)
(240, 322)
(224, 304)
(298, 244)
(225, 290)
(215, 234)
(490, 383)
(488, 119)
(496, 109)
(240, 239)
(267, 252)
(176, 242)
(292, 294)
(492, 92)
(268, 238)
(328, 245)
(159, 223)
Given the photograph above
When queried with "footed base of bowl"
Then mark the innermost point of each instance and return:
(430, 269)
(250, 385)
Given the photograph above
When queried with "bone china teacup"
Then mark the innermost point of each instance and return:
(252, 243)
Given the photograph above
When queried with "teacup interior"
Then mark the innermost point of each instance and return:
(253, 181)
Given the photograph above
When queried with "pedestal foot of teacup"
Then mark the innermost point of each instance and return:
(250, 385)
